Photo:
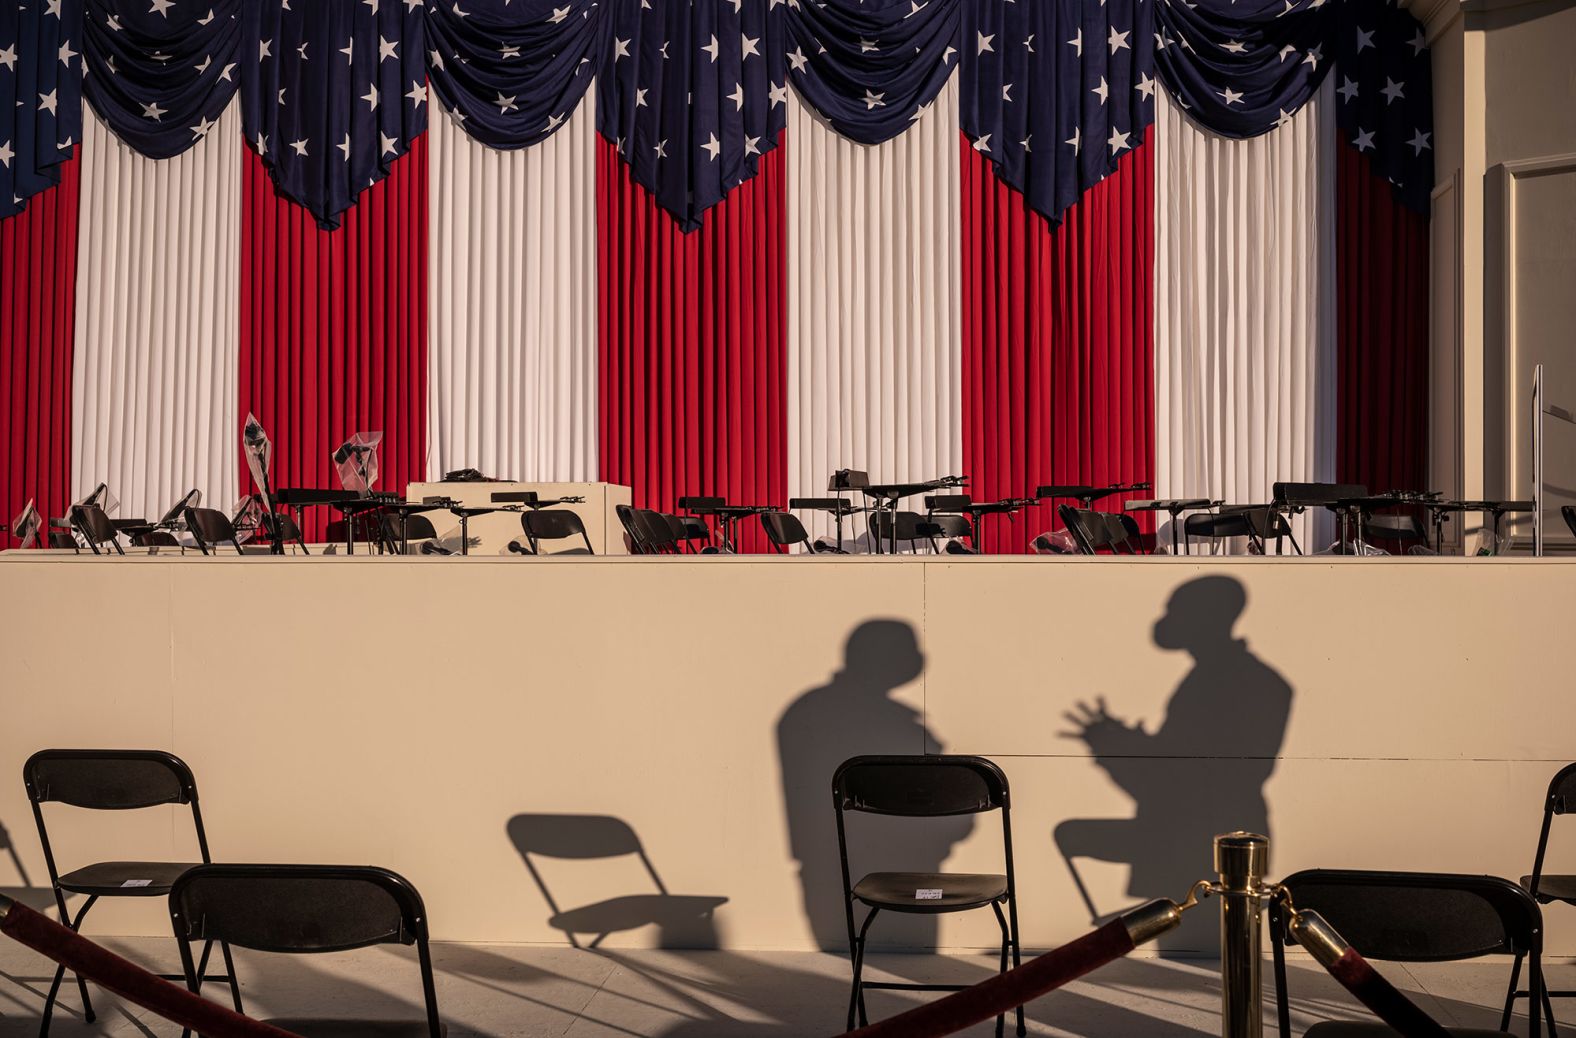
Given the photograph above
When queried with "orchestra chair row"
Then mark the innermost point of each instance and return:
(291, 909)
(650, 532)
(1095, 530)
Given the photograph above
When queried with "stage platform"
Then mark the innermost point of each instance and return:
(505, 731)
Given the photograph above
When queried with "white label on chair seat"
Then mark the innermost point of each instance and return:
(927, 894)
(137, 883)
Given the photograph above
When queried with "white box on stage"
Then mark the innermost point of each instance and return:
(490, 534)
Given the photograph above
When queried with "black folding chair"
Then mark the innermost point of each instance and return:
(114, 780)
(1214, 527)
(784, 530)
(1412, 917)
(1092, 530)
(1569, 512)
(632, 533)
(301, 909)
(94, 526)
(415, 535)
(554, 525)
(924, 786)
(210, 527)
(911, 528)
(655, 532)
(1547, 889)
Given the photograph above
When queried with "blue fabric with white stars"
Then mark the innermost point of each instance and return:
(40, 95)
(332, 92)
(693, 92)
(512, 71)
(160, 76)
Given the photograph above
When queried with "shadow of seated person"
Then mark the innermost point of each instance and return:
(682, 921)
(1201, 773)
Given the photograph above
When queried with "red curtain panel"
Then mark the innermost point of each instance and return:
(1058, 342)
(692, 329)
(38, 279)
(334, 327)
(1382, 279)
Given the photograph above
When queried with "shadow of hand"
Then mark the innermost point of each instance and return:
(1098, 729)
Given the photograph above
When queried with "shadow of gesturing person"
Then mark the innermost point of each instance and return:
(1202, 772)
(853, 714)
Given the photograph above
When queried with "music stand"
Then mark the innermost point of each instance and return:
(1175, 507)
(842, 481)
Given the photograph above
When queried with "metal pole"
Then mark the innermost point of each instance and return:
(1242, 860)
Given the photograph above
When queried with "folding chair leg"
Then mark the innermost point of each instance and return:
(74, 925)
(1510, 992)
(856, 997)
(229, 969)
(1006, 946)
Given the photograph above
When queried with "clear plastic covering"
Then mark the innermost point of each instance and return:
(26, 525)
(356, 462)
(247, 519)
(101, 496)
(173, 518)
(259, 451)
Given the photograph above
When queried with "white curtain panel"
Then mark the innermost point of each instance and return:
(1245, 297)
(874, 326)
(512, 347)
(153, 381)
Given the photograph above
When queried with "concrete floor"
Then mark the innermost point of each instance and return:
(536, 990)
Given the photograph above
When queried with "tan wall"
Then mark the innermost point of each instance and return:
(423, 713)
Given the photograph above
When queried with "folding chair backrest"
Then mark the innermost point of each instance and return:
(94, 523)
(626, 518)
(784, 529)
(552, 524)
(108, 780)
(1395, 527)
(1421, 916)
(908, 524)
(1569, 512)
(210, 526)
(921, 786)
(654, 530)
(297, 908)
(951, 525)
(1562, 791)
(1087, 528)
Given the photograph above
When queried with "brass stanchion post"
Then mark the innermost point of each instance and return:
(1242, 859)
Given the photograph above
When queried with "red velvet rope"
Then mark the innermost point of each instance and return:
(128, 980)
(1008, 990)
(1379, 995)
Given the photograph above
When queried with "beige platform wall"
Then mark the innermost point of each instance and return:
(437, 715)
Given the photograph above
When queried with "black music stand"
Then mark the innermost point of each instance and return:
(842, 481)
(1175, 508)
